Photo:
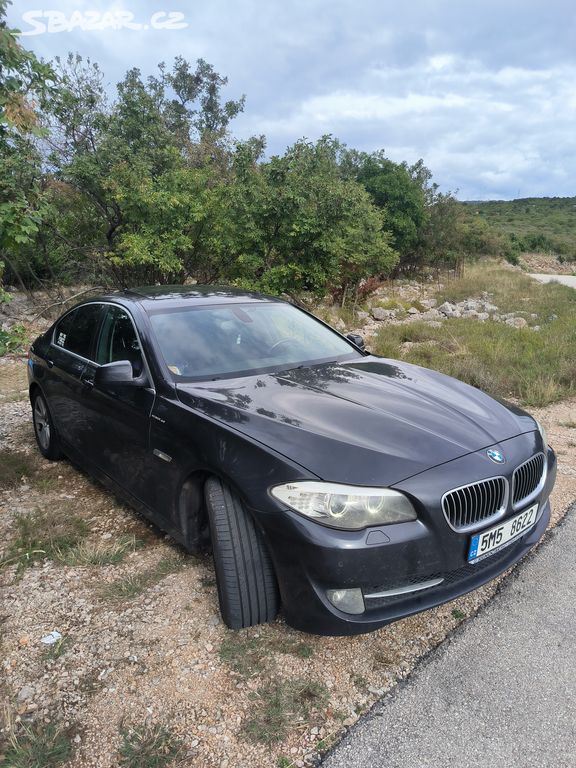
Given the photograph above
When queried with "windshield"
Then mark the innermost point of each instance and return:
(240, 339)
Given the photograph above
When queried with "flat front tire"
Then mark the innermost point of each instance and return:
(44, 430)
(247, 588)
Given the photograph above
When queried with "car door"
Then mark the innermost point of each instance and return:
(70, 351)
(120, 416)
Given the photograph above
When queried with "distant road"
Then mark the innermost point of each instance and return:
(563, 279)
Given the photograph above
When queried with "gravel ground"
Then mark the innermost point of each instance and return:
(156, 651)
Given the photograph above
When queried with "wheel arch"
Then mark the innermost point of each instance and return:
(191, 506)
(33, 388)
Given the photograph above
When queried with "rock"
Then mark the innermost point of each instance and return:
(470, 305)
(362, 315)
(349, 721)
(382, 314)
(469, 313)
(490, 307)
(535, 327)
(431, 314)
(340, 325)
(413, 311)
(429, 303)
(516, 322)
(25, 693)
(447, 308)
(483, 316)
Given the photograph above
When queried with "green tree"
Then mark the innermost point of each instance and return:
(162, 142)
(396, 190)
(24, 81)
(300, 227)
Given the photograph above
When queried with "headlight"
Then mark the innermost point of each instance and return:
(542, 434)
(345, 506)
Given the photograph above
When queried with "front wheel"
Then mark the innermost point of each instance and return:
(247, 588)
(44, 428)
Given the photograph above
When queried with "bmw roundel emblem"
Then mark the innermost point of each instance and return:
(496, 456)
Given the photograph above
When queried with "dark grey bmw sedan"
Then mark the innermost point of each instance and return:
(348, 489)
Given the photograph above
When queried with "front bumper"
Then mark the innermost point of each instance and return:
(311, 559)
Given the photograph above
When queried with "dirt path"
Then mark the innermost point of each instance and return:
(142, 639)
(569, 280)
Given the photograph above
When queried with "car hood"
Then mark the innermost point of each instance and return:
(369, 422)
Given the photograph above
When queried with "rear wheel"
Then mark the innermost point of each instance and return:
(247, 588)
(44, 428)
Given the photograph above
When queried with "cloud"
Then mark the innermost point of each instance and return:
(485, 132)
(483, 92)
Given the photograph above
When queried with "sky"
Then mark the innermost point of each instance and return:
(484, 92)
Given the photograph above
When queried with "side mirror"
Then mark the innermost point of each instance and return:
(356, 339)
(117, 374)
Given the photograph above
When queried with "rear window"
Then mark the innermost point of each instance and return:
(76, 331)
(241, 339)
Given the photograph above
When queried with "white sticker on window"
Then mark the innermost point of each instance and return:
(61, 339)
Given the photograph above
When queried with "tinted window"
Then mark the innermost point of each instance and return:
(75, 332)
(118, 340)
(235, 339)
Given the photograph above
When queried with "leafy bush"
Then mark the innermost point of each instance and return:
(13, 340)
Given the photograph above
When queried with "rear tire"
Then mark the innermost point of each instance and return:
(247, 588)
(44, 429)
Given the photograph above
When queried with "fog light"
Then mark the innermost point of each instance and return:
(346, 600)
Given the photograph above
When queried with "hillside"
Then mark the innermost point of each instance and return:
(546, 224)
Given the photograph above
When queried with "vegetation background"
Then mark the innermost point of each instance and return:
(151, 187)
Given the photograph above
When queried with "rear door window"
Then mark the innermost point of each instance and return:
(77, 330)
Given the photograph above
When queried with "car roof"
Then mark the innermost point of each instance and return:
(155, 296)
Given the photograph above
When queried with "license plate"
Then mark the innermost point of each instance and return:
(496, 538)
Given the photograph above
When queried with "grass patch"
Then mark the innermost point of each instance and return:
(288, 645)
(535, 367)
(148, 746)
(570, 424)
(332, 315)
(14, 466)
(281, 703)
(360, 682)
(133, 585)
(244, 655)
(36, 746)
(400, 305)
(248, 655)
(458, 614)
(88, 553)
(44, 535)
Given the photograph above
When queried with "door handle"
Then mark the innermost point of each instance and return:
(49, 363)
(89, 383)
